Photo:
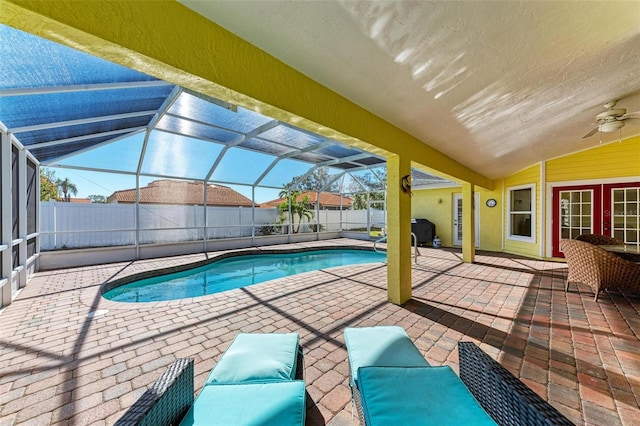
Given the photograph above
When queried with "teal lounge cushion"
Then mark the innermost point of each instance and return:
(275, 403)
(255, 357)
(381, 346)
(418, 396)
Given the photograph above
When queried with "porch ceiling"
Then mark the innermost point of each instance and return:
(498, 86)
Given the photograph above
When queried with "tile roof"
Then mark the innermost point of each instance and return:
(327, 199)
(183, 193)
(79, 200)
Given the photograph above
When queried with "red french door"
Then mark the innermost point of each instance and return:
(608, 209)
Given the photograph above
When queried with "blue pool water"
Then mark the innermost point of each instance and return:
(236, 272)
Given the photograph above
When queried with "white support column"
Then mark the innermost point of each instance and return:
(137, 242)
(22, 217)
(318, 215)
(205, 186)
(290, 216)
(5, 243)
(253, 215)
(37, 250)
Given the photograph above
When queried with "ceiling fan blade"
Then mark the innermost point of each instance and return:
(591, 133)
(633, 120)
(635, 114)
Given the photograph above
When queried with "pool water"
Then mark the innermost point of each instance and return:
(236, 272)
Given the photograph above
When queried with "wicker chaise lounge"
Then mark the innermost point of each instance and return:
(598, 268)
(599, 240)
(258, 380)
(391, 385)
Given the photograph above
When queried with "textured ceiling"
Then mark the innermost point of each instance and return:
(498, 86)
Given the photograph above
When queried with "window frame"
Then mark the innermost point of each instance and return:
(532, 212)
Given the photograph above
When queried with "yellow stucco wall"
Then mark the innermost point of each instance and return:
(611, 161)
(528, 176)
(436, 205)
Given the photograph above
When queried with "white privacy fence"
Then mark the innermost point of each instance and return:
(70, 225)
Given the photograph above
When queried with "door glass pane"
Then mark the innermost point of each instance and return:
(626, 210)
(576, 211)
(459, 222)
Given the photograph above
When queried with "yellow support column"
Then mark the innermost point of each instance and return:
(468, 225)
(398, 230)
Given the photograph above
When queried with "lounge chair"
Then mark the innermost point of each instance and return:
(258, 380)
(391, 383)
(599, 240)
(598, 268)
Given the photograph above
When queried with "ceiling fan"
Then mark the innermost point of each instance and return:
(613, 119)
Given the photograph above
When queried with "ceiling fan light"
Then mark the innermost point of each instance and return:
(611, 126)
(611, 113)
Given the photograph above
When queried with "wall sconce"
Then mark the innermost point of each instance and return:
(406, 184)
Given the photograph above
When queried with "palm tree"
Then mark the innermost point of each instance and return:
(299, 208)
(67, 188)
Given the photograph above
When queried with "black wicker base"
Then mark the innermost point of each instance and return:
(166, 401)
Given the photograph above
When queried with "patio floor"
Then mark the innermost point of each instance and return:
(60, 366)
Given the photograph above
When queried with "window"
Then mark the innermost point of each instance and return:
(521, 204)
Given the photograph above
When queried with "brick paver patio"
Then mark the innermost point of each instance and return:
(60, 365)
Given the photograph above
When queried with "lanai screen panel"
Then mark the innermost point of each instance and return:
(31, 61)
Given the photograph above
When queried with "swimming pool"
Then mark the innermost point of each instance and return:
(236, 272)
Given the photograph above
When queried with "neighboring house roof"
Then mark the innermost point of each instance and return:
(180, 192)
(327, 199)
(80, 200)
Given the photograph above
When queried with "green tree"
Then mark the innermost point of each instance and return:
(317, 180)
(97, 198)
(67, 188)
(375, 185)
(48, 185)
(299, 208)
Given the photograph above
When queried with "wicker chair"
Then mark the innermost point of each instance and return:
(598, 268)
(599, 240)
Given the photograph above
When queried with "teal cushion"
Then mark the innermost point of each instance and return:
(418, 396)
(276, 403)
(382, 346)
(257, 358)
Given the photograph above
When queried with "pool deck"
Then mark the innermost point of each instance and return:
(60, 365)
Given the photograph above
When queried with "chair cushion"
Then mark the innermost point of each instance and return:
(275, 403)
(417, 396)
(257, 358)
(382, 346)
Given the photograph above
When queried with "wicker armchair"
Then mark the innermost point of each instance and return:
(599, 240)
(598, 268)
